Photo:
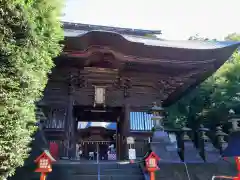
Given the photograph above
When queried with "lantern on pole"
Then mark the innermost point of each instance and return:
(151, 162)
(44, 162)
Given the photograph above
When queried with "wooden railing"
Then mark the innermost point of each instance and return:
(55, 124)
(56, 119)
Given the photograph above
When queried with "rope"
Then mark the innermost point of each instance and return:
(224, 177)
(187, 170)
(98, 166)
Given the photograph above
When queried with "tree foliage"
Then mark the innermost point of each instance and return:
(30, 32)
(197, 37)
(211, 101)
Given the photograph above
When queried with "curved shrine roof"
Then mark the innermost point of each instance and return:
(143, 47)
(89, 27)
(184, 64)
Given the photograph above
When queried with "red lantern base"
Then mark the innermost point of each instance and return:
(152, 176)
(43, 176)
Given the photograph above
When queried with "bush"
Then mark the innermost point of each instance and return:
(30, 31)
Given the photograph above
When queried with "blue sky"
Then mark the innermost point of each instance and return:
(177, 19)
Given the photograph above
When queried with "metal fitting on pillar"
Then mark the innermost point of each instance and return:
(157, 112)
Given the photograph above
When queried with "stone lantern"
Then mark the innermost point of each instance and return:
(157, 112)
(220, 138)
(161, 143)
(202, 133)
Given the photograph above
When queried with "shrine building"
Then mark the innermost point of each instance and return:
(106, 80)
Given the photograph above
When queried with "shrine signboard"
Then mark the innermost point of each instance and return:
(132, 154)
(130, 140)
(99, 98)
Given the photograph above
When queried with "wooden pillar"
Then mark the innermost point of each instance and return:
(118, 138)
(70, 122)
(120, 144)
(125, 129)
(126, 123)
(71, 128)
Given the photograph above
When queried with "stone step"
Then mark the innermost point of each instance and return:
(107, 177)
(63, 176)
(121, 171)
(118, 166)
(118, 173)
(77, 171)
(94, 167)
(75, 168)
(104, 172)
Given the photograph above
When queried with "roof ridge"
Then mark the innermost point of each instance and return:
(90, 27)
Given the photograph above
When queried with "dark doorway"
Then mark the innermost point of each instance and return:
(97, 129)
(100, 114)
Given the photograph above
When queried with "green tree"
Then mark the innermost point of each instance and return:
(233, 37)
(211, 101)
(30, 32)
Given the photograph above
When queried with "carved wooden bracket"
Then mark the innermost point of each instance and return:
(124, 84)
(77, 81)
(169, 85)
(70, 84)
(127, 86)
(80, 81)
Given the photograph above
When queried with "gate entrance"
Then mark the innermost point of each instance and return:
(96, 150)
